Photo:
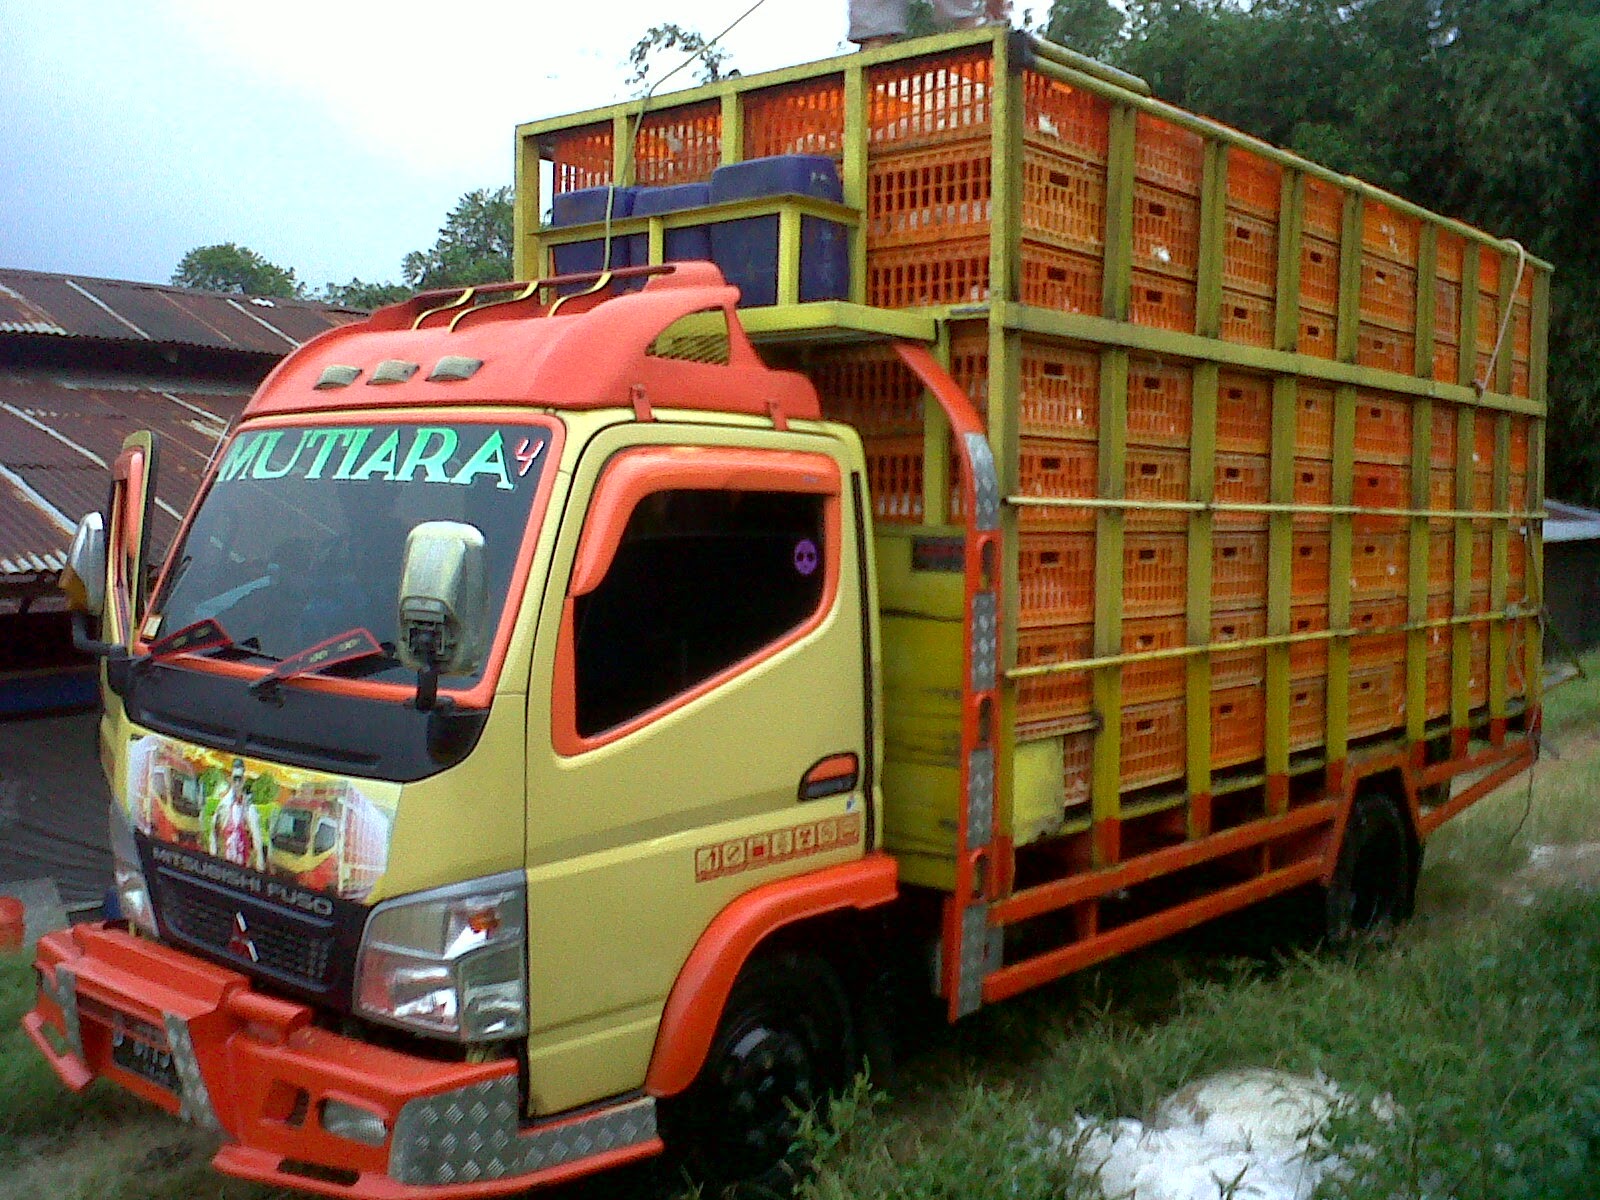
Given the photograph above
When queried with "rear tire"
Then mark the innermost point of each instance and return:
(1374, 882)
(785, 1042)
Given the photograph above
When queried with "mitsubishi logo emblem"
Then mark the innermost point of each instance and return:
(240, 945)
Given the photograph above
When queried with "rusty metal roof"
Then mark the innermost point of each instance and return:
(56, 437)
(73, 306)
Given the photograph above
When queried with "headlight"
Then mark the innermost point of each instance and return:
(451, 962)
(133, 894)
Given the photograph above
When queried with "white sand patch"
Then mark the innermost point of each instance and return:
(1236, 1135)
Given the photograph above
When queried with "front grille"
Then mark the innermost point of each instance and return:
(293, 948)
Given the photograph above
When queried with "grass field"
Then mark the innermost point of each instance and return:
(1478, 1026)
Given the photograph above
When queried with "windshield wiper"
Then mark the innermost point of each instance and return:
(344, 647)
(191, 639)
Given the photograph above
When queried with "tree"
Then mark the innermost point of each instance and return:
(474, 244)
(227, 267)
(1092, 27)
(359, 294)
(675, 37)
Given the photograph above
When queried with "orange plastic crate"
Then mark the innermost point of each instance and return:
(1238, 570)
(931, 193)
(1059, 696)
(1160, 400)
(1388, 293)
(1371, 646)
(1167, 155)
(1314, 421)
(1377, 699)
(1519, 444)
(1442, 447)
(1383, 429)
(581, 158)
(1154, 574)
(1319, 275)
(1308, 576)
(1308, 713)
(1446, 361)
(1378, 565)
(1317, 335)
(1244, 413)
(1483, 437)
(1060, 392)
(1313, 484)
(1077, 760)
(1060, 279)
(894, 479)
(1063, 200)
(799, 118)
(1255, 184)
(1310, 657)
(1324, 209)
(1389, 234)
(1519, 379)
(1442, 489)
(1055, 578)
(930, 99)
(1065, 118)
(1237, 668)
(1389, 349)
(1247, 319)
(1152, 473)
(1488, 321)
(1483, 491)
(1153, 741)
(1438, 677)
(1243, 479)
(869, 388)
(1238, 726)
(1057, 469)
(1161, 302)
(1441, 558)
(1250, 253)
(951, 272)
(678, 145)
(1478, 600)
(1166, 231)
(1162, 679)
(1450, 256)
(1521, 333)
(1446, 312)
(1381, 485)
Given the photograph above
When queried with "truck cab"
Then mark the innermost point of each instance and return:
(517, 659)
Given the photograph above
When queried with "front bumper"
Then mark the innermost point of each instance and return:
(198, 1041)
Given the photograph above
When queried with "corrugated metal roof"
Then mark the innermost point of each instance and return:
(121, 310)
(55, 437)
(1570, 522)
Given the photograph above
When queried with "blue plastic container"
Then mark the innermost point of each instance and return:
(680, 245)
(581, 208)
(747, 249)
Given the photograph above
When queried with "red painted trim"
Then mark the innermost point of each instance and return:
(564, 735)
(482, 692)
(695, 1005)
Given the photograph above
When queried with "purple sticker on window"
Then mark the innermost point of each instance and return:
(805, 557)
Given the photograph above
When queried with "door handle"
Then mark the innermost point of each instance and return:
(830, 776)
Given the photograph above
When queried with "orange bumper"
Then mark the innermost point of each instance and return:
(198, 1041)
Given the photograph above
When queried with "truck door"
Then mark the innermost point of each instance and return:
(698, 719)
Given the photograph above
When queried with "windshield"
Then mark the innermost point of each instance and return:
(301, 535)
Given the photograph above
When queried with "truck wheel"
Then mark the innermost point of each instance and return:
(786, 1040)
(1375, 880)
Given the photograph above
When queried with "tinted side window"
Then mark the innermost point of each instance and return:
(701, 580)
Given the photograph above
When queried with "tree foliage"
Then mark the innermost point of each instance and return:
(668, 37)
(1484, 110)
(474, 244)
(360, 294)
(227, 267)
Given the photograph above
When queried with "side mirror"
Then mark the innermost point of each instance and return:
(444, 603)
(84, 578)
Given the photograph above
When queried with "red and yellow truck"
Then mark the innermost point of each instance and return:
(577, 691)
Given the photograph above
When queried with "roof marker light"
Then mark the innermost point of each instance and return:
(393, 370)
(336, 376)
(453, 368)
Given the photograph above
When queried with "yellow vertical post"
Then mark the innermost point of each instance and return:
(788, 256)
(1118, 278)
(657, 240)
(1197, 693)
(1280, 583)
(1005, 198)
(1499, 582)
(732, 126)
(1538, 368)
(1461, 593)
(1417, 571)
(1106, 774)
(622, 148)
(1342, 536)
(853, 173)
(1213, 237)
(1291, 214)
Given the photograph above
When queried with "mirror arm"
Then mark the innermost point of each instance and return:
(84, 644)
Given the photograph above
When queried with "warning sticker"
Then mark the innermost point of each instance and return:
(779, 846)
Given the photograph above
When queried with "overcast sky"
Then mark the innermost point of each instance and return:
(330, 137)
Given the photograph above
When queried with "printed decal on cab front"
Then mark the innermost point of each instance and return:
(758, 850)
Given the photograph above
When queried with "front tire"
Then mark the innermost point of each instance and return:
(786, 1040)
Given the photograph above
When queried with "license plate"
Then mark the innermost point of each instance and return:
(150, 1059)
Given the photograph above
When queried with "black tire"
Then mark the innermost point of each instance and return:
(785, 1042)
(1374, 883)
